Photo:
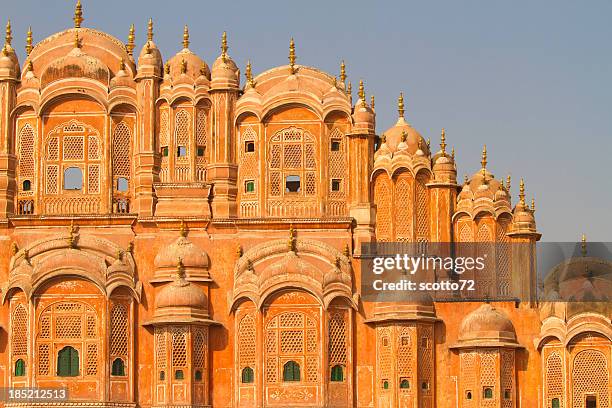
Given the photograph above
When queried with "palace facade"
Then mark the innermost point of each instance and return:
(171, 237)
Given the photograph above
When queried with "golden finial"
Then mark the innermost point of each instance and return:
(291, 242)
(183, 66)
(400, 105)
(361, 91)
(167, 68)
(533, 205)
(349, 91)
(483, 160)
(130, 247)
(239, 250)
(224, 46)
(148, 47)
(29, 46)
(249, 265)
(583, 245)
(372, 101)
(404, 136)
(30, 66)
(150, 30)
(183, 229)
(186, 37)
(347, 250)
(14, 248)
(443, 141)
(77, 41)
(121, 64)
(383, 138)
(453, 153)
(9, 34)
(429, 143)
(522, 192)
(4, 50)
(71, 235)
(203, 70)
(335, 81)
(342, 72)
(249, 73)
(292, 55)
(26, 255)
(130, 44)
(78, 15)
(508, 180)
(119, 254)
(465, 179)
(180, 269)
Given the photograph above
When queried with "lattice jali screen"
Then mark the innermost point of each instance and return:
(403, 208)
(488, 376)
(25, 151)
(119, 331)
(425, 357)
(383, 197)
(179, 347)
(338, 338)
(200, 347)
(590, 374)
(161, 349)
(182, 131)
(248, 170)
(292, 336)
(484, 239)
(337, 163)
(121, 151)
(422, 209)
(164, 139)
(507, 378)
(384, 355)
(503, 257)
(19, 333)
(72, 323)
(404, 352)
(72, 144)
(553, 377)
(202, 143)
(468, 364)
(247, 342)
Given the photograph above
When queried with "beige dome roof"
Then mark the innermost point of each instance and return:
(150, 55)
(188, 63)
(181, 293)
(182, 250)
(402, 131)
(487, 327)
(76, 64)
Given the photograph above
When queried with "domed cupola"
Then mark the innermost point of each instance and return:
(122, 78)
(523, 220)
(363, 115)
(194, 260)
(9, 64)
(444, 167)
(486, 327)
(150, 59)
(402, 131)
(481, 192)
(383, 154)
(185, 66)
(225, 73)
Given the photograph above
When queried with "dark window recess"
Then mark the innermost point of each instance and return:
(507, 394)
(198, 375)
(292, 184)
(118, 368)
(249, 147)
(249, 186)
(178, 375)
(68, 362)
(385, 385)
(591, 402)
(165, 151)
(181, 151)
(404, 383)
(488, 393)
(27, 185)
(337, 373)
(335, 185)
(248, 376)
(201, 151)
(162, 375)
(19, 368)
(122, 184)
(291, 371)
(335, 146)
(468, 395)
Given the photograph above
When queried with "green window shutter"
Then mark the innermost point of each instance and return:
(555, 403)
(74, 362)
(68, 362)
(118, 368)
(247, 375)
(291, 371)
(337, 373)
(19, 368)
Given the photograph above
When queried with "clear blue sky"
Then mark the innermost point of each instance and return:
(532, 80)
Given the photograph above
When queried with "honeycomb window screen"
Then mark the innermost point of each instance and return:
(200, 348)
(19, 333)
(590, 376)
(338, 337)
(404, 208)
(161, 348)
(25, 151)
(73, 323)
(292, 336)
(383, 197)
(246, 341)
(422, 204)
(179, 347)
(337, 164)
(292, 152)
(182, 132)
(119, 331)
(121, 151)
(201, 135)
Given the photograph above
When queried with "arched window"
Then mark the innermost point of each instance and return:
(247, 375)
(178, 375)
(118, 367)
(555, 403)
(27, 185)
(73, 178)
(68, 362)
(404, 383)
(291, 371)
(385, 384)
(198, 375)
(468, 395)
(337, 373)
(19, 368)
(488, 393)
(162, 375)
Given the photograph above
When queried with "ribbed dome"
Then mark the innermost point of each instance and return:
(225, 73)
(150, 55)
(403, 131)
(76, 64)
(185, 62)
(487, 327)
(9, 61)
(181, 293)
(184, 250)
(363, 113)
(122, 78)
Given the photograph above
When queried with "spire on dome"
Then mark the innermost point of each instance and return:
(292, 55)
(400, 105)
(583, 245)
(443, 141)
(183, 66)
(224, 46)
(342, 72)
(483, 161)
(453, 153)
(130, 44)
(249, 74)
(150, 30)
(533, 205)
(522, 192)
(183, 230)
(9, 34)
(349, 91)
(29, 46)
(78, 14)
(291, 241)
(361, 92)
(180, 270)
(372, 101)
(186, 37)
(77, 41)
(508, 180)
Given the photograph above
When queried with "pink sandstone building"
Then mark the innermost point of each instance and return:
(171, 237)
